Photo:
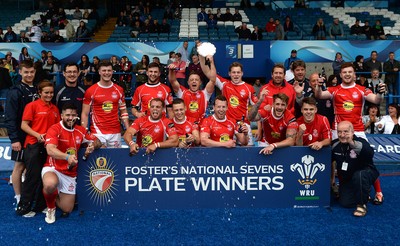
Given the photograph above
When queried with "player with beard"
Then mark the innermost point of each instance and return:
(63, 141)
(152, 131)
(186, 127)
(105, 100)
(239, 95)
(278, 123)
(276, 85)
(196, 100)
(218, 130)
(152, 89)
(314, 129)
(349, 99)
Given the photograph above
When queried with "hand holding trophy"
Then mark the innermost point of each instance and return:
(205, 49)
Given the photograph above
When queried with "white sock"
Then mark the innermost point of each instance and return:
(18, 197)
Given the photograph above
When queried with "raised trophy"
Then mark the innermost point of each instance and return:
(205, 49)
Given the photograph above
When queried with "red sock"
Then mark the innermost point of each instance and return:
(51, 199)
(377, 186)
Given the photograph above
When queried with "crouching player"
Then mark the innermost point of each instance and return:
(63, 141)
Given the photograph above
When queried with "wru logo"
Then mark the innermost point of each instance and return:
(307, 170)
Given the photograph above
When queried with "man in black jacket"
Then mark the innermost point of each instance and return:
(19, 96)
(355, 168)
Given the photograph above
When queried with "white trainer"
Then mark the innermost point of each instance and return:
(29, 215)
(50, 216)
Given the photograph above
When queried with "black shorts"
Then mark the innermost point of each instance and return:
(17, 155)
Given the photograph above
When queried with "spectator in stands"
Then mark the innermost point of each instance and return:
(165, 27)
(85, 14)
(70, 31)
(271, 25)
(153, 131)
(116, 68)
(390, 124)
(136, 29)
(140, 70)
(50, 67)
(336, 65)
(24, 55)
(212, 22)
(367, 29)
(279, 126)
(60, 17)
(195, 67)
(314, 129)
(45, 37)
(219, 131)
(371, 119)
(356, 173)
(359, 67)
(356, 29)
(237, 16)
(218, 16)
(126, 76)
(202, 15)
(36, 32)
(57, 38)
(243, 32)
(293, 57)
(105, 109)
(50, 54)
(43, 56)
(299, 3)
(8, 63)
(94, 69)
(377, 31)
(257, 87)
(332, 81)
(37, 118)
(49, 13)
(256, 34)
(10, 35)
(1, 35)
(184, 51)
(122, 20)
(11, 60)
(82, 33)
(260, 5)
(288, 26)
(228, 15)
(22, 37)
(373, 82)
(94, 15)
(70, 91)
(84, 68)
(319, 30)
(194, 49)
(145, 28)
(391, 67)
(372, 63)
(180, 66)
(279, 31)
(77, 15)
(155, 27)
(336, 29)
(171, 58)
(5, 85)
